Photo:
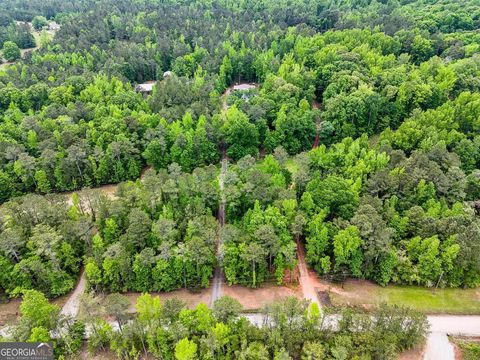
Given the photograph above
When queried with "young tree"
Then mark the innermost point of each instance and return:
(226, 309)
(38, 22)
(38, 316)
(240, 135)
(116, 305)
(254, 254)
(347, 250)
(186, 350)
(10, 51)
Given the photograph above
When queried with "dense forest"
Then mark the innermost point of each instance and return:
(359, 139)
(390, 193)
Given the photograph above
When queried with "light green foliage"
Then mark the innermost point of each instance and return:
(185, 350)
(38, 22)
(240, 136)
(10, 51)
(388, 91)
(346, 248)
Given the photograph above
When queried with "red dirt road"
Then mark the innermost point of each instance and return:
(307, 283)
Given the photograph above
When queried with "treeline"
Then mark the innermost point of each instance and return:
(69, 113)
(399, 207)
(17, 34)
(291, 329)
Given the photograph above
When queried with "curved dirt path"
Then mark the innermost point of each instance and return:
(218, 275)
(73, 303)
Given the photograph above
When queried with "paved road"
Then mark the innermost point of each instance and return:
(218, 275)
(438, 347)
(455, 324)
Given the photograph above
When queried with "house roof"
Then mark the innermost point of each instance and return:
(244, 87)
(145, 87)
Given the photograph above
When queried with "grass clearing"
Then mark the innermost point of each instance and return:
(429, 301)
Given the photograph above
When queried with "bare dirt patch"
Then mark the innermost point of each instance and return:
(324, 297)
(85, 194)
(9, 311)
(254, 299)
(416, 353)
(236, 86)
(100, 355)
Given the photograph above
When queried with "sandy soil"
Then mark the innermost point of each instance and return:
(254, 299)
(84, 194)
(101, 355)
(9, 311)
(309, 282)
(457, 352)
(108, 190)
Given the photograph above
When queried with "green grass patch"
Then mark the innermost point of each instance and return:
(429, 301)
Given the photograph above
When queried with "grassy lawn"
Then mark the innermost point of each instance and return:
(431, 301)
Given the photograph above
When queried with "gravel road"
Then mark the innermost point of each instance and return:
(72, 305)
